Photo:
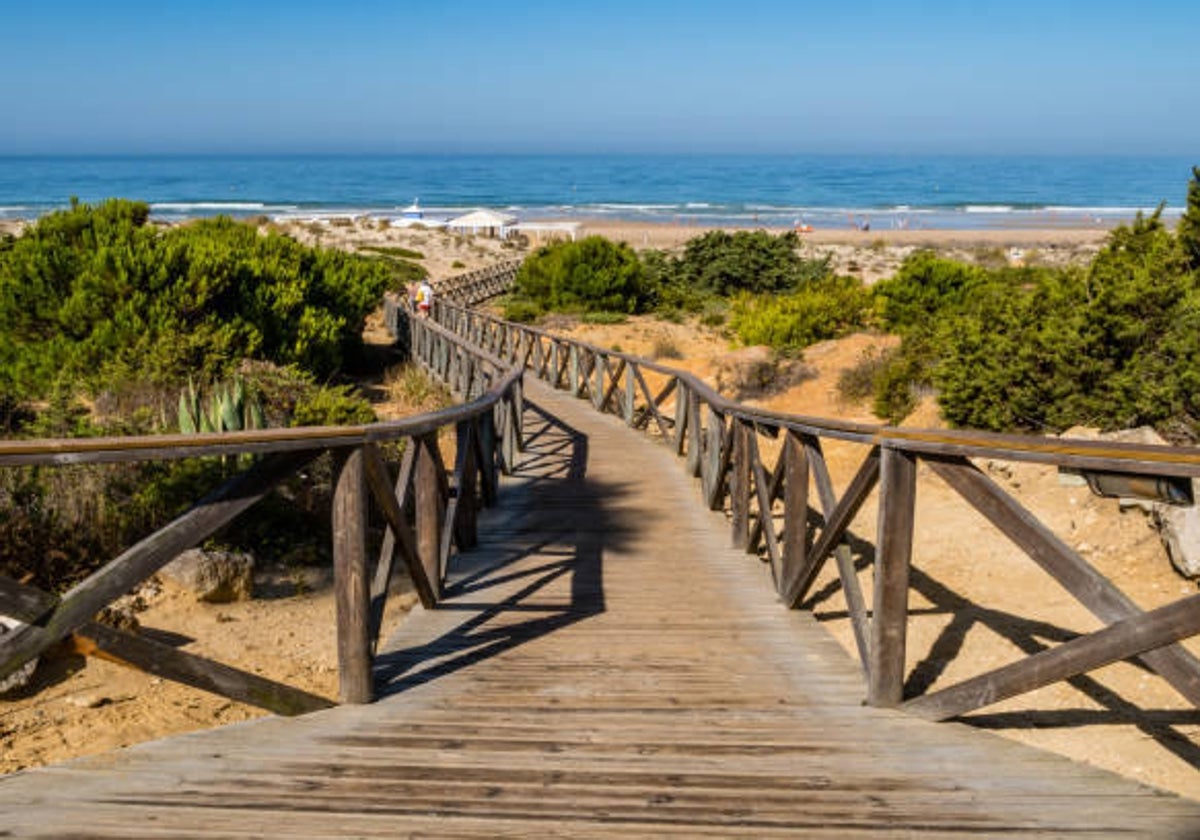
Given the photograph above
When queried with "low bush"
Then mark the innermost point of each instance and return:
(521, 310)
(723, 263)
(604, 317)
(591, 275)
(923, 287)
(665, 347)
(820, 310)
(857, 383)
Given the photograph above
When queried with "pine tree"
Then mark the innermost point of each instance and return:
(1189, 225)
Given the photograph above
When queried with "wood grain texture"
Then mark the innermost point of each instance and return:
(893, 554)
(351, 582)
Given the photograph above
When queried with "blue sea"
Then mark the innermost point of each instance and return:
(772, 191)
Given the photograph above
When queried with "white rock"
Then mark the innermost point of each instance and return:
(214, 576)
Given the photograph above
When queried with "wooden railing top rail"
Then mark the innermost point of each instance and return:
(1075, 453)
(478, 284)
(258, 441)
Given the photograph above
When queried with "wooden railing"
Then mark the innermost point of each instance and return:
(773, 512)
(479, 285)
(428, 516)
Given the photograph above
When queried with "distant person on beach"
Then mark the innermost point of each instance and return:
(412, 298)
(424, 299)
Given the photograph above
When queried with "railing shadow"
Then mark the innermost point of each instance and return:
(538, 567)
(1030, 636)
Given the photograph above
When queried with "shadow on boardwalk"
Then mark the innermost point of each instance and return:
(551, 512)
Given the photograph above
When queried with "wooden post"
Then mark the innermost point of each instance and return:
(694, 445)
(487, 461)
(739, 484)
(430, 510)
(893, 541)
(466, 473)
(630, 392)
(352, 589)
(598, 368)
(518, 419)
(681, 417)
(573, 370)
(795, 513)
(714, 462)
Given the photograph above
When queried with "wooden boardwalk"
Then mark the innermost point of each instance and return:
(603, 665)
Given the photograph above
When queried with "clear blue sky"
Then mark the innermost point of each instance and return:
(1025, 76)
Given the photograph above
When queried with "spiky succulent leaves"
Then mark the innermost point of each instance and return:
(189, 410)
(255, 418)
(231, 410)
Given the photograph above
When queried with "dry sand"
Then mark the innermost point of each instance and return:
(977, 601)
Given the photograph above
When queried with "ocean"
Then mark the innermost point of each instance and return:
(886, 192)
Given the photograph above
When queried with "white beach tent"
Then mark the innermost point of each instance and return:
(488, 221)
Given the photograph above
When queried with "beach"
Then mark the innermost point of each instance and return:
(869, 255)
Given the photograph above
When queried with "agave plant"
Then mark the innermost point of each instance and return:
(228, 408)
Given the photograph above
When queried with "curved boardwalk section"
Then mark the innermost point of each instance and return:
(602, 665)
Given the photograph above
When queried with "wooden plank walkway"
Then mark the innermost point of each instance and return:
(604, 665)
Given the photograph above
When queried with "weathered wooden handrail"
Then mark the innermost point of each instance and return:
(477, 286)
(428, 517)
(771, 514)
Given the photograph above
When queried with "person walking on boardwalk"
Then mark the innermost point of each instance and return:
(424, 299)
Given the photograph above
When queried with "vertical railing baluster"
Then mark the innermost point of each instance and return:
(430, 510)
(795, 514)
(739, 484)
(630, 392)
(893, 555)
(351, 586)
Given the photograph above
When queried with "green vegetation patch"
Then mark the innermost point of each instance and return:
(1114, 345)
(95, 296)
(591, 275)
(820, 310)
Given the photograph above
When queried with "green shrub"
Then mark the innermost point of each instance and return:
(591, 275)
(333, 405)
(1188, 230)
(1108, 346)
(521, 310)
(925, 285)
(604, 317)
(723, 263)
(900, 380)
(97, 296)
(821, 310)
